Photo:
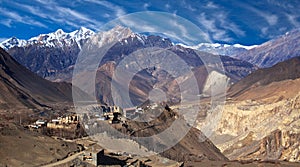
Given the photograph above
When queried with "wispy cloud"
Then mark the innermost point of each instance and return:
(211, 5)
(12, 17)
(106, 15)
(188, 6)
(293, 20)
(264, 31)
(56, 13)
(146, 6)
(271, 19)
(218, 26)
(208, 24)
(73, 14)
(6, 22)
(31, 9)
(284, 4)
(167, 6)
(226, 24)
(119, 11)
(171, 25)
(180, 30)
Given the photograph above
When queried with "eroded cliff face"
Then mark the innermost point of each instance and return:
(281, 145)
(267, 129)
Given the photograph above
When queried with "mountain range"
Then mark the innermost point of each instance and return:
(69, 44)
(53, 56)
(264, 55)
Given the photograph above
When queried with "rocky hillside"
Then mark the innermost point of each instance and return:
(260, 120)
(274, 51)
(260, 129)
(144, 81)
(192, 147)
(287, 70)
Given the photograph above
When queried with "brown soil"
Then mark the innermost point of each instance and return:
(20, 147)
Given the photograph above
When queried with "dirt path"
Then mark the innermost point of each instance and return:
(68, 159)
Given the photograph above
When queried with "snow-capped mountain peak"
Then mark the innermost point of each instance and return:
(11, 42)
(119, 32)
(59, 32)
(59, 38)
(82, 33)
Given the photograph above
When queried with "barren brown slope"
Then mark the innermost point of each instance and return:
(280, 78)
(21, 147)
(20, 87)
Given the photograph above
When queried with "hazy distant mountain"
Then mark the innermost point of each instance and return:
(274, 51)
(264, 55)
(221, 49)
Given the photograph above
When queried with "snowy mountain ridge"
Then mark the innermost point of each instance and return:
(220, 49)
(59, 38)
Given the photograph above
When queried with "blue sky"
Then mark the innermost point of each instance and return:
(226, 21)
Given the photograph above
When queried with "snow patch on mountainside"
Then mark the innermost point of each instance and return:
(220, 49)
(245, 47)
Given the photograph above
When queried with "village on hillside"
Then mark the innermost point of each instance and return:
(72, 126)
